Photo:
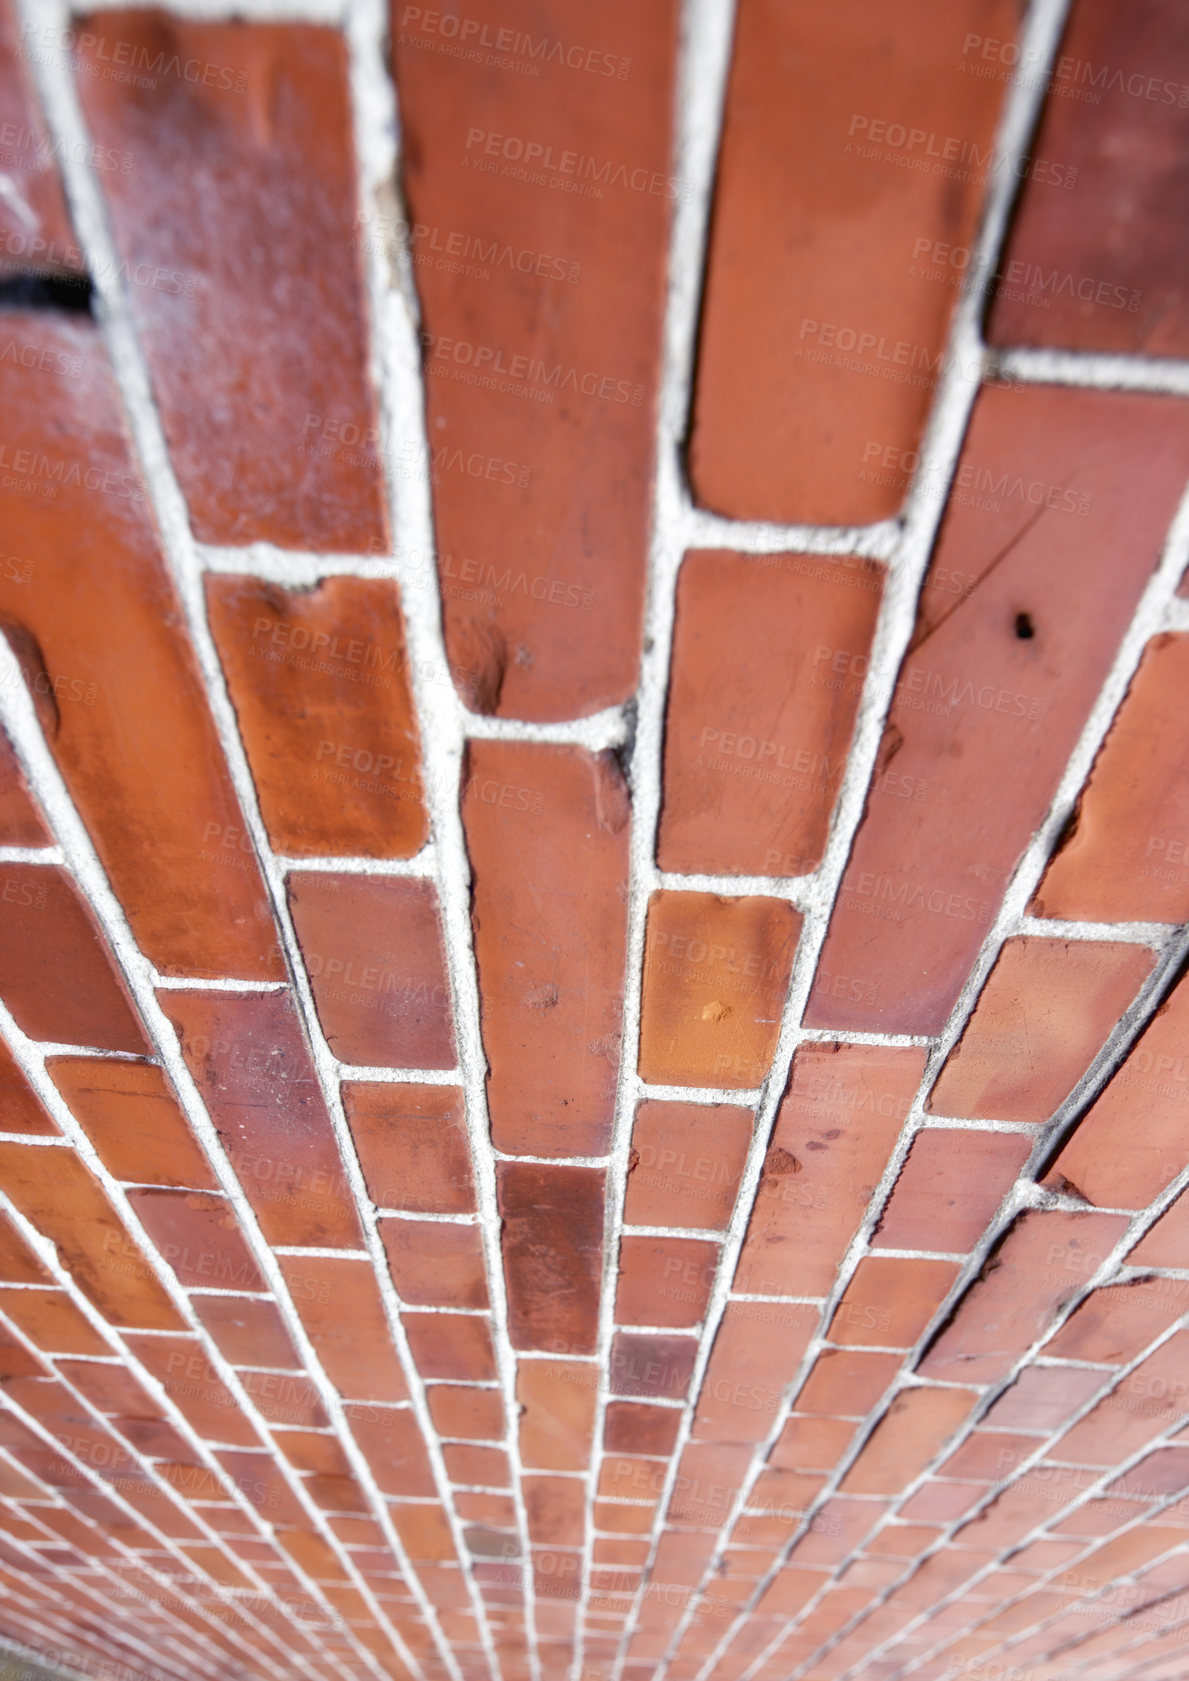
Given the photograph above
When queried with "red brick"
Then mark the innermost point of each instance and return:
(911, 1433)
(756, 1353)
(199, 1236)
(1130, 1142)
(253, 1067)
(685, 1165)
(129, 1112)
(330, 734)
(1114, 1326)
(373, 947)
(103, 649)
(709, 1477)
(752, 768)
(558, 1400)
(21, 823)
(18, 1263)
(542, 574)
(54, 1190)
(547, 832)
(1041, 1018)
(634, 1427)
(472, 1414)
(436, 1264)
(1147, 1403)
(556, 1508)
(56, 973)
(412, 1146)
(1166, 1243)
(340, 1307)
(393, 1446)
(949, 1187)
(1037, 1266)
(716, 972)
(234, 350)
(180, 1365)
(1121, 859)
(846, 1383)
(1122, 224)
(836, 1528)
(50, 1319)
(819, 224)
(664, 1280)
(424, 1531)
(553, 1254)
(484, 1467)
(451, 1345)
(888, 1303)
(834, 1133)
(1046, 595)
(261, 1482)
(1042, 1398)
(652, 1367)
(22, 1107)
(247, 1332)
(110, 1388)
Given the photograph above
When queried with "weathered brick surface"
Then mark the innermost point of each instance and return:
(386, 1297)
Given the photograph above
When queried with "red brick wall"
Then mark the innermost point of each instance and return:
(593, 859)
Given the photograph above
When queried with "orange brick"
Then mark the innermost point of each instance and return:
(132, 1117)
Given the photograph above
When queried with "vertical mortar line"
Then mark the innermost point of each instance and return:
(66, 123)
(30, 1058)
(396, 348)
(940, 448)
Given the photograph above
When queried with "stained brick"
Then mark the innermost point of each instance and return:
(1034, 638)
(253, 1068)
(652, 1366)
(541, 566)
(131, 1116)
(199, 1236)
(547, 832)
(1113, 1326)
(412, 1146)
(1130, 1142)
(716, 972)
(834, 1133)
(373, 948)
(1043, 1015)
(949, 1187)
(558, 1401)
(262, 345)
(888, 1303)
(435, 1264)
(664, 1281)
(553, 1254)
(1040, 1264)
(752, 768)
(339, 1303)
(815, 301)
(319, 680)
(756, 1352)
(1101, 267)
(56, 974)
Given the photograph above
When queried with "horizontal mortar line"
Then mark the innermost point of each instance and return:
(977, 1123)
(205, 983)
(53, 1047)
(688, 1333)
(1098, 371)
(793, 888)
(853, 1036)
(313, 1254)
(41, 1140)
(1129, 933)
(705, 1095)
(32, 855)
(696, 1234)
(703, 529)
(425, 1215)
(608, 728)
(552, 1161)
(367, 1074)
(422, 866)
(782, 1301)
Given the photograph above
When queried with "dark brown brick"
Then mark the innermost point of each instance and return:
(553, 1254)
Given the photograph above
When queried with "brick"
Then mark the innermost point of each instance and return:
(109, 1388)
(1043, 1398)
(199, 1236)
(553, 1254)
(664, 1280)
(555, 1508)
(752, 768)
(558, 1401)
(1043, 1015)
(21, 823)
(757, 1350)
(888, 1303)
(451, 1345)
(1129, 1143)
(55, 1191)
(547, 831)
(194, 1386)
(1166, 1242)
(1100, 268)
(485, 1467)
(1114, 1326)
(911, 1433)
(247, 1332)
(1040, 1263)
(319, 680)
(232, 349)
(393, 1446)
(23, 1111)
(834, 1133)
(50, 1319)
(800, 325)
(339, 1303)
(1034, 638)
(846, 1382)
(473, 1414)
(253, 1068)
(685, 1164)
(709, 1477)
(716, 972)
(424, 1531)
(373, 948)
(651, 1367)
(542, 573)
(412, 1146)
(18, 1263)
(1147, 1403)
(949, 1188)
(56, 973)
(434, 1264)
(131, 1116)
(836, 1528)
(634, 1427)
